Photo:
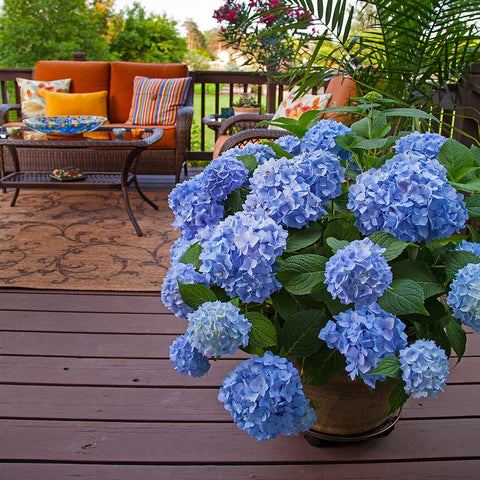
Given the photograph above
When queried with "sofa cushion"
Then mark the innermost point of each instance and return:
(86, 76)
(32, 94)
(94, 103)
(155, 101)
(121, 83)
(342, 89)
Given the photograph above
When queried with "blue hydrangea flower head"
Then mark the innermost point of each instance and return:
(323, 172)
(358, 273)
(183, 273)
(365, 336)
(223, 175)
(218, 328)
(279, 188)
(472, 247)
(464, 296)
(428, 144)
(186, 359)
(241, 253)
(409, 197)
(265, 398)
(424, 369)
(261, 152)
(290, 143)
(322, 137)
(196, 212)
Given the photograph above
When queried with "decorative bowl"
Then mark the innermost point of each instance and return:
(65, 124)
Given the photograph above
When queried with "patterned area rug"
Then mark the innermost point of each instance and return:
(84, 240)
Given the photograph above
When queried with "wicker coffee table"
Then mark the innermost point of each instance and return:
(94, 180)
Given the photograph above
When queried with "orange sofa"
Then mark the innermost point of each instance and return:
(165, 157)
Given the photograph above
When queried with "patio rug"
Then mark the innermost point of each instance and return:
(84, 240)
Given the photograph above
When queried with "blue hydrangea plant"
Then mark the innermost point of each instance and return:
(333, 251)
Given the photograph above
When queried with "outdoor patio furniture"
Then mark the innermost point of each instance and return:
(117, 79)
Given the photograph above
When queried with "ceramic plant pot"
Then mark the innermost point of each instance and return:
(349, 411)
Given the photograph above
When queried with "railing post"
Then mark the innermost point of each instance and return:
(79, 56)
(271, 98)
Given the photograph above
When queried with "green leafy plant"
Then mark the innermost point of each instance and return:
(408, 50)
(246, 100)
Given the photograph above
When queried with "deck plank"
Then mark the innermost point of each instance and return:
(74, 302)
(29, 321)
(186, 404)
(100, 371)
(447, 470)
(145, 372)
(224, 443)
(90, 345)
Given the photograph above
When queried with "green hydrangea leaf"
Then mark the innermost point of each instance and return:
(342, 229)
(301, 273)
(471, 186)
(473, 206)
(404, 296)
(394, 247)
(421, 273)
(300, 333)
(456, 336)
(262, 333)
(323, 367)
(457, 159)
(456, 260)
(195, 294)
(303, 237)
(397, 398)
(249, 161)
(335, 244)
(192, 254)
(234, 202)
(388, 366)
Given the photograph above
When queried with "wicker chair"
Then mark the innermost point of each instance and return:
(240, 139)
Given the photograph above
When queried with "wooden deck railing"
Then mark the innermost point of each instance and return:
(214, 90)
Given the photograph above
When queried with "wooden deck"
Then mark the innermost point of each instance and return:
(87, 391)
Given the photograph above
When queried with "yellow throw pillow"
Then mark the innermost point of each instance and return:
(94, 103)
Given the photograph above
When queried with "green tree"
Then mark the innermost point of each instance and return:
(146, 38)
(32, 30)
(195, 38)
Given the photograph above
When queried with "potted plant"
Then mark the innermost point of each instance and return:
(343, 259)
(246, 104)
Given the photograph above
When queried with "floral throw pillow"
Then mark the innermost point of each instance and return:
(294, 108)
(32, 94)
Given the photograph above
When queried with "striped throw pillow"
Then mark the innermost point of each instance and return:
(155, 101)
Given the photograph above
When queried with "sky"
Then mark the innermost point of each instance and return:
(200, 11)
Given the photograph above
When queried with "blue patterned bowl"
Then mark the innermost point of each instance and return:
(65, 124)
